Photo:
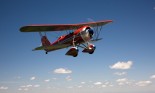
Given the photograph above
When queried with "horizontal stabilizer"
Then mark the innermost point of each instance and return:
(94, 40)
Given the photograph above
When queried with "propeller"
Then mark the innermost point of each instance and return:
(96, 29)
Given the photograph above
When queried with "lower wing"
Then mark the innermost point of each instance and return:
(52, 47)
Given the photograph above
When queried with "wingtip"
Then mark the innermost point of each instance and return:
(33, 50)
(22, 29)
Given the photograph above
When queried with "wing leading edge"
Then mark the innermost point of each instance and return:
(61, 27)
(52, 47)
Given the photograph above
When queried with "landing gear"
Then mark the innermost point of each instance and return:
(90, 49)
(46, 52)
(91, 52)
(73, 51)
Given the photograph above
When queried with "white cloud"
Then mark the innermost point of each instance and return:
(83, 82)
(104, 86)
(47, 80)
(111, 85)
(62, 71)
(143, 83)
(122, 80)
(33, 78)
(120, 73)
(79, 86)
(36, 86)
(68, 78)
(24, 87)
(152, 77)
(121, 83)
(28, 85)
(122, 65)
(3, 88)
(97, 83)
(106, 83)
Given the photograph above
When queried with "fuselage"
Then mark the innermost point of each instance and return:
(77, 37)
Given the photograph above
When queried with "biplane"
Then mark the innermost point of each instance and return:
(77, 35)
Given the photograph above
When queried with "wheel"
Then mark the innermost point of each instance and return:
(91, 52)
(75, 55)
(46, 52)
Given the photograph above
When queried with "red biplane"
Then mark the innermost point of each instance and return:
(77, 35)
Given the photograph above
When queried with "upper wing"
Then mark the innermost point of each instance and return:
(60, 27)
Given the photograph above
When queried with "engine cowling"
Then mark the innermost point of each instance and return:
(87, 34)
(90, 49)
(73, 51)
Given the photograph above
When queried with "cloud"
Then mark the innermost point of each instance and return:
(83, 82)
(3, 88)
(97, 83)
(143, 83)
(28, 86)
(47, 80)
(33, 78)
(68, 78)
(62, 71)
(124, 81)
(152, 77)
(120, 73)
(122, 65)
(36, 86)
(104, 86)
(79, 86)
(20, 89)
(23, 89)
(107, 83)
(121, 80)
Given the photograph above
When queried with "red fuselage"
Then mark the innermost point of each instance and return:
(68, 39)
(79, 36)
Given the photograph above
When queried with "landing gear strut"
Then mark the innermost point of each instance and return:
(73, 51)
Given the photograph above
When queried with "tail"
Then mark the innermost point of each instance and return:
(45, 41)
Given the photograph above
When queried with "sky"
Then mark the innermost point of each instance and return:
(123, 61)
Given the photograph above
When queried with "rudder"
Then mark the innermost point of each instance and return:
(45, 41)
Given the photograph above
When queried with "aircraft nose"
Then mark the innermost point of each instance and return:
(91, 33)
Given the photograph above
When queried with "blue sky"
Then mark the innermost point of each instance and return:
(122, 63)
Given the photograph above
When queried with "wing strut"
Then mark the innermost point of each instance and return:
(97, 32)
(41, 34)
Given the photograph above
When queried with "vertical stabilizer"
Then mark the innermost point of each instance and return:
(45, 41)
